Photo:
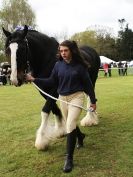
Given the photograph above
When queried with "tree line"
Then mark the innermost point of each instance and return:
(117, 48)
(18, 13)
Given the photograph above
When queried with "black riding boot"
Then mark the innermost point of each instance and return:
(71, 141)
(81, 137)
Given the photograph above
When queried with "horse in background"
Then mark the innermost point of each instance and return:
(37, 52)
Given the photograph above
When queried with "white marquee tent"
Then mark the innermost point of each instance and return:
(106, 60)
(130, 63)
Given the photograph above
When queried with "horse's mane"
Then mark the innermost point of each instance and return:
(44, 51)
(43, 40)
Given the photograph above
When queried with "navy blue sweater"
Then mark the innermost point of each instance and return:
(69, 78)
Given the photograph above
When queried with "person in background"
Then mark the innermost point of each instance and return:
(120, 68)
(72, 78)
(109, 69)
(4, 79)
(125, 69)
(105, 67)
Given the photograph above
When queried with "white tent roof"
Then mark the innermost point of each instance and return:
(131, 63)
(106, 60)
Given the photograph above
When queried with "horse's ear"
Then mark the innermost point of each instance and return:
(25, 31)
(7, 33)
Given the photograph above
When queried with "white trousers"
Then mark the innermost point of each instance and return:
(71, 113)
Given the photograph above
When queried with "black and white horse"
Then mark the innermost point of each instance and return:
(30, 48)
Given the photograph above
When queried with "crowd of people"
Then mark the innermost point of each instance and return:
(122, 69)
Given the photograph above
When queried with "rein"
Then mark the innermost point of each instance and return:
(28, 68)
(57, 99)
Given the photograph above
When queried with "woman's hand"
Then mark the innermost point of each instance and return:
(29, 78)
(92, 107)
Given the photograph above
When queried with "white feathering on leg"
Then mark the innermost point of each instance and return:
(91, 118)
(48, 132)
(42, 141)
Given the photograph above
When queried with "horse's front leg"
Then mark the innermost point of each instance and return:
(42, 141)
(60, 128)
(47, 132)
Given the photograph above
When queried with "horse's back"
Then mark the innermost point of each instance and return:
(92, 58)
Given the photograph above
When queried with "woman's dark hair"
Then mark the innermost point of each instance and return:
(73, 47)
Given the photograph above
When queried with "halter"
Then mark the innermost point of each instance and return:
(27, 65)
(27, 56)
(27, 53)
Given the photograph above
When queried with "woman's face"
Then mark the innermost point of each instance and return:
(65, 53)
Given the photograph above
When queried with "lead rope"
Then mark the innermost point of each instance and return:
(57, 99)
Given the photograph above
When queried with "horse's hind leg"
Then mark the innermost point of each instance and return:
(91, 118)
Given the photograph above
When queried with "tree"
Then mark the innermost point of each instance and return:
(125, 43)
(106, 46)
(12, 14)
(121, 23)
(101, 39)
(85, 38)
(16, 13)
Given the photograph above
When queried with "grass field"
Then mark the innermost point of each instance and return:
(108, 147)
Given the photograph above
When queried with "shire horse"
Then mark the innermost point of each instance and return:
(37, 52)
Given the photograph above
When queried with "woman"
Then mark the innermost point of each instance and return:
(71, 76)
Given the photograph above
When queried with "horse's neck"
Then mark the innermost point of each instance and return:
(42, 66)
(42, 54)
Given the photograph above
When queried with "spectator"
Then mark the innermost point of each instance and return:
(120, 68)
(109, 69)
(105, 68)
(125, 69)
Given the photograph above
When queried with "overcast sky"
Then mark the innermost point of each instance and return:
(55, 16)
(71, 16)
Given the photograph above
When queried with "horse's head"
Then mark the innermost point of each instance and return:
(17, 49)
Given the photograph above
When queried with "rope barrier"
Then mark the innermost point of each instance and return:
(116, 68)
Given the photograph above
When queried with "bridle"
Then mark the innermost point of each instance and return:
(27, 67)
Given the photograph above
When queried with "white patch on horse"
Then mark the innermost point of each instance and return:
(42, 138)
(14, 47)
(91, 118)
(48, 132)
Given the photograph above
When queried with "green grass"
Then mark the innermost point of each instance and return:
(108, 149)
